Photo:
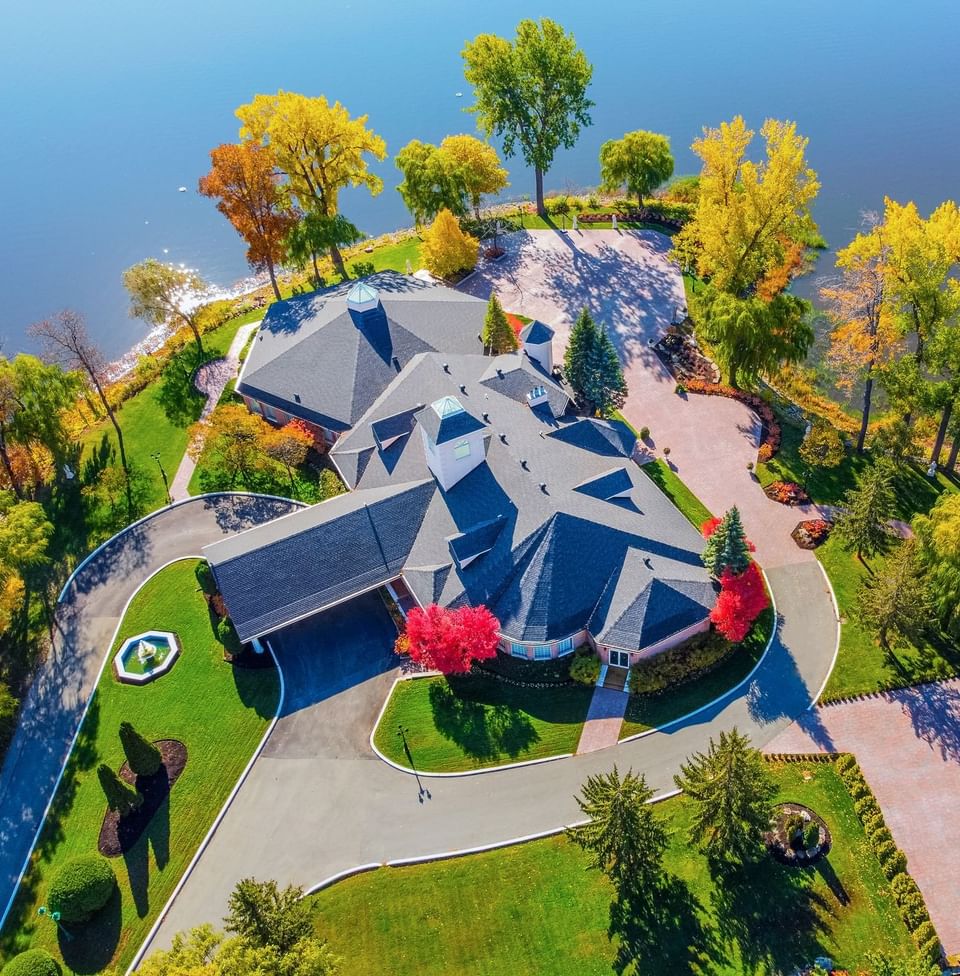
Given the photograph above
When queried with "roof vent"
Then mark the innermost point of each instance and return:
(543, 487)
(446, 367)
(503, 438)
(296, 396)
(486, 418)
(463, 388)
(396, 364)
(524, 465)
(500, 372)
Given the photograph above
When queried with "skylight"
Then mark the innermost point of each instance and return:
(447, 406)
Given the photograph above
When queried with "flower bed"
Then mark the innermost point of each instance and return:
(812, 533)
(798, 835)
(682, 356)
(673, 217)
(786, 493)
(769, 435)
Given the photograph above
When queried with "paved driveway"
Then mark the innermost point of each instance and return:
(908, 745)
(628, 282)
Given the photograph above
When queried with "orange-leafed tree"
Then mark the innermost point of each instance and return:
(288, 445)
(446, 249)
(451, 640)
(245, 183)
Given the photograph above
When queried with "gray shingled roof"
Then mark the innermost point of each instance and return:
(319, 360)
(515, 375)
(476, 540)
(446, 419)
(611, 437)
(276, 573)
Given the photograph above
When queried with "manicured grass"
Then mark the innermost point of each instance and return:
(537, 908)
(862, 666)
(469, 721)
(646, 712)
(220, 712)
(670, 484)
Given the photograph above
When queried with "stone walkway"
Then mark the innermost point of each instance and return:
(604, 718)
(211, 379)
(908, 745)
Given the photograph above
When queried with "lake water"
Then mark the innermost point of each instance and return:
(109, 107)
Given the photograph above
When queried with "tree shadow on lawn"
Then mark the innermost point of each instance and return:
(481, 730)
(772, 913)
(179, 399)
(663, 933)
(137, 857)
(92, 945)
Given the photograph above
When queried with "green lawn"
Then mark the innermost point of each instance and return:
(469, 721)
(670, 484)
(218, 711)
(537, 908)
(861, 664)
(646, 712)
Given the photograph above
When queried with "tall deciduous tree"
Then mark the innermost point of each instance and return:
(243, 179)
(288, 445)
(498, 336)
(447, 249)
(264, 914)
(319, 147)
(451, 640)
(897, 602)
(863, 526)
(478, 165)
(640, 161)
(532, 92)
(938, 537)
(231, 442)
(823, 446)
(733, 791)
(162, 294)
(748, 214)
(431, 182)
(623, 835)
(315, 233)
(865, 335)
(25, 535)
(751, 336)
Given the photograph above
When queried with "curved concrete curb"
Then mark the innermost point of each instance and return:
(205, 843)
(836, 650)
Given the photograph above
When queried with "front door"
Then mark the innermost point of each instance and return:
(619, 659)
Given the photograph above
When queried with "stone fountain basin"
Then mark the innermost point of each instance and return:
(145, 657)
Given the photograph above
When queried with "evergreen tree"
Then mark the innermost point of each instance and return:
(733, 792)
(898, 601)
(266, 915)
(121, 797)
(583, 338)
(604, 389)
(498, 336)
(868, 508)
(625, 837)
(727, 547)
(142, 755)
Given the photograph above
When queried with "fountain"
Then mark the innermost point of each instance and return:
(144, 657)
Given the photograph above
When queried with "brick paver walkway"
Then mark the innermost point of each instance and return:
(211, 379)
(908, 746)
(604, 718)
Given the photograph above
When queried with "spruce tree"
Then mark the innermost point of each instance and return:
(727, 548)
(868, 508)
(583, 339)
(897, 601)
(498, 337)
(142, 755)
(121, 797)
(733, 791)
(605, 389)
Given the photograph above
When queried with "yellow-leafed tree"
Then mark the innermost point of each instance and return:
(478, 166)
(446, 249)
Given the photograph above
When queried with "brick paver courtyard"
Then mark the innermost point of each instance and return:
(908, 746)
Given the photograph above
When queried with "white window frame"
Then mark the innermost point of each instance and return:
(619, 655)
(461, 450)
(255, 406)
(542, 652)
(565, 647)
(270, 413)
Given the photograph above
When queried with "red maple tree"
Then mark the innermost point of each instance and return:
(710, 526)
(742, 599)
(449, 641)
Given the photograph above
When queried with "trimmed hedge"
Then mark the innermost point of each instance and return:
(585, 666)
(909, 898)
(698, 655)
(81, 887)
(33, 962)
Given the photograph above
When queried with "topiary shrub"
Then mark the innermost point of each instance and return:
(205, 579)
(872, 824)
(811, 835)
(120, 795)
(913, 911)
(585, 666)
(33, 962)
(903, 886)
(81, 887)
(867, 807)
(924, 933)
(227, 635)
(143, 756)
(881, 836)
(858, 790)
(895, 864)
(644, 433)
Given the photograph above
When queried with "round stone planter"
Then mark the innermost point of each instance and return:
(145, 657)
(784, 849)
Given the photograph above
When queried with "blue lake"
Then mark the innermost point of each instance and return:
(109, 107)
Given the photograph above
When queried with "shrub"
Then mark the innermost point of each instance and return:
(858, 790)
(881, 836)
(227, 635)
(81, 887)
(903, 886)
(8, 715)
(885, 851)
(874, 824)
(924, 933)
(644, 433)
(786, 493)
(592, 202)
(682, 663)
(679, 389)
(811, 835)
(205, 578)
(446, 249)
(867, 807)
(362, 269)
(792, 825)
(143, 756)
(913, 910)
(844, 763)
(585, 666)
(121, 797)
(895, 864)
(931, 951)
(33, 962)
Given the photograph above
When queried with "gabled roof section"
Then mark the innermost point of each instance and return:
(515, 375)
(467, 546)
(445, 420)
(279, 572)
(614, 483)
(536, 333)
(611, 438)
(389, 429)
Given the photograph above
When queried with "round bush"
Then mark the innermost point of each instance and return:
(923, 934)
(811, 835)
(227, 635)
(81, 887)
(903, 885)
(859, 790)
(913, 911)
(866, 808)
(33, 962)
(585, 667)
(896, 864)
(881, 836)
(872, 824)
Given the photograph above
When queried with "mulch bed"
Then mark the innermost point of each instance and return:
(779, 846)
(680, 353)
(118, 836)
(786, 493)
(812, 533)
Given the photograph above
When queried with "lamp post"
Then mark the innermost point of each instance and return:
(163, 474)
(54, 917)
(423, 791)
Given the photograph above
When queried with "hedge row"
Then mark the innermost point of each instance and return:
(909, 898)
(699, 655)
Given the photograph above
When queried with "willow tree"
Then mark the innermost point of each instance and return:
(640, 161)
(531, 91)
(319, 148)
(162, 294)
